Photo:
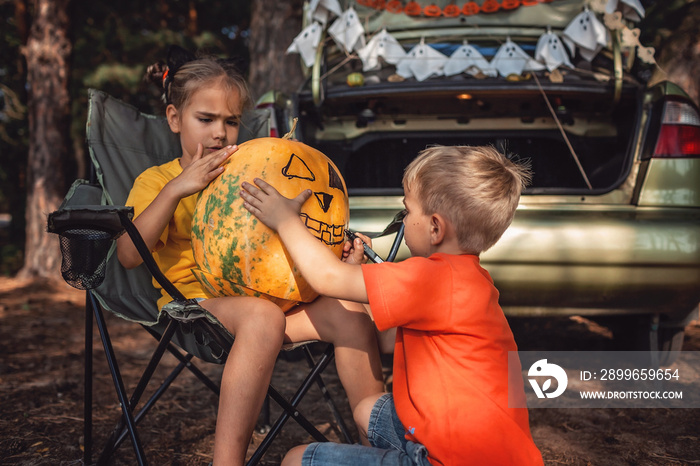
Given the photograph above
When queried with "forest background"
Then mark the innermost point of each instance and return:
(52, 51)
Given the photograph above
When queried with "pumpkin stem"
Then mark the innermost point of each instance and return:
(290, 134)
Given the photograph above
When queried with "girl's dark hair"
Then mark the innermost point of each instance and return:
(185, 73)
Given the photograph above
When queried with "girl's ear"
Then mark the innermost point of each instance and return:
(173, 118)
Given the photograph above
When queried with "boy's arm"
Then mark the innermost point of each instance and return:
(326, 274)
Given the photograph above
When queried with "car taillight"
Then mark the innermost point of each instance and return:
(680, 132)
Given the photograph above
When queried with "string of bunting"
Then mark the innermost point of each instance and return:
(585, 36)
(450, 11)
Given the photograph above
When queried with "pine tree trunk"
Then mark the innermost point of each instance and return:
(273, 26)
(47, 53)
(679, 57)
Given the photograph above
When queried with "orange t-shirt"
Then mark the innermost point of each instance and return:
(451, 360)
(173, 251)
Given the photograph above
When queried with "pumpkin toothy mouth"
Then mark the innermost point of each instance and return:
(329, 234)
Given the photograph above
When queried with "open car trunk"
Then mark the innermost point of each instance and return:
(575, 125)
(577, 139)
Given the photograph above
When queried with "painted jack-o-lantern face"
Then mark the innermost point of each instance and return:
(235, 253)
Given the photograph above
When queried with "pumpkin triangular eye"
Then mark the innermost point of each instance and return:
(334, 180)
(324, 200)
(297, 168)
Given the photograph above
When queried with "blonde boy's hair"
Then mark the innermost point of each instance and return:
(475, 187)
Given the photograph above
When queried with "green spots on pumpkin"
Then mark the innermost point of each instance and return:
(238, 290)
(234, 244)
(196, 232)
(229, 269)
(221, 200)
(212, 205)
(204, 281)
(231, 195)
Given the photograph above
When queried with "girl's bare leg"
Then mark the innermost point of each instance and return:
(258, 327)
(352, 332)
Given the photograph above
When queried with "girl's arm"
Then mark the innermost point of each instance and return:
(150, 223)
(155, 218)
(326, 274)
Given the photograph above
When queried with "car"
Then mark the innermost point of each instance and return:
(609, 228)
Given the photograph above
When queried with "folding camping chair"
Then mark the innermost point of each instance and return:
(122, 143)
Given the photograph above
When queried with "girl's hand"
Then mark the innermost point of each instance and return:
(353, 251)
(200, 171)
(269, 206)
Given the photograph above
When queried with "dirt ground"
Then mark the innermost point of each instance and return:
(41, 395)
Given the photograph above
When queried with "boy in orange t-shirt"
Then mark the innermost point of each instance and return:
(451, 376)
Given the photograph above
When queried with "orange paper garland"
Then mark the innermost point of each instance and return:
(414, 8)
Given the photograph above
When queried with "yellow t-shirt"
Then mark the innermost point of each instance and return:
(173, 251)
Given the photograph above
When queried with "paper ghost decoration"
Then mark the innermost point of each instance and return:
(550, 51)
(321, 10)
(613, 21)
(631, 9)
(646, 54)
(587, 33)
(347, 31)
(511, 59)
(306, 43)
(382, 45)
(469, 60)
(421, 62)
(598, 6)
(630, 37)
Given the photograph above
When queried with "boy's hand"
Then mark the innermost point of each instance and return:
(269, 206)
(353, 251)
(201, 171)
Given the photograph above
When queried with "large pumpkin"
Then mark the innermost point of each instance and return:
(235, 253)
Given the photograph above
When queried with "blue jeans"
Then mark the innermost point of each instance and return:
(385, 434)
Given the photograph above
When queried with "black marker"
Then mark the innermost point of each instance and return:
(373, 256)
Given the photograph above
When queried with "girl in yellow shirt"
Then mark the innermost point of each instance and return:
(205, 99)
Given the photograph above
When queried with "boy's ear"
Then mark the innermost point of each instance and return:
(173, 118)
(438, 228)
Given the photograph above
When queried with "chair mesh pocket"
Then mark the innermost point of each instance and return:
(84, 257)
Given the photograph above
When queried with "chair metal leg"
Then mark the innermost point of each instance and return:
(149, 404)
(128, 422)
(263, 425)
(119, 433)
(288, 410)
(187, 358)
(87, 392)
(118, 383)
(326, 395)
